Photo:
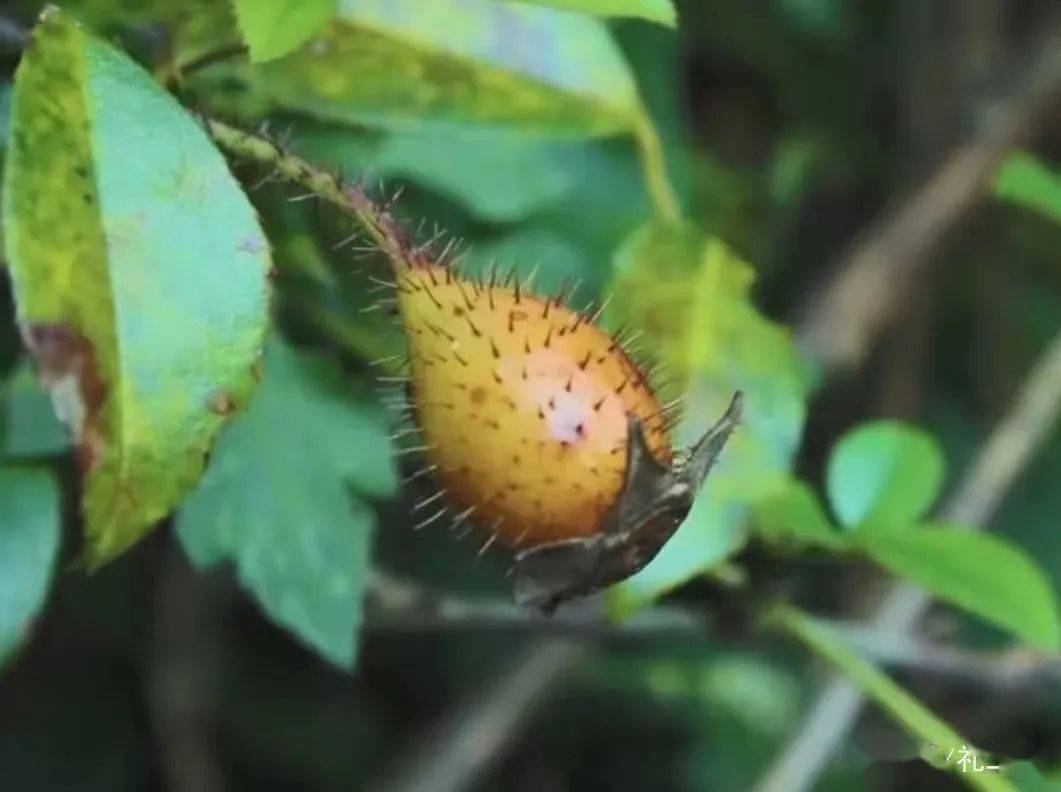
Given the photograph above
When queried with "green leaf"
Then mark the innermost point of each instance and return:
(1025, 180)
(981, 573)
(497, 174)
(938, 738)
(553, 259)
(794, 512)
(884, 475)
(661, 11)
(31, 428)
(29, 543)
(273, 28)
(691, 296)
(394, 62)
(1027, 778)
(139, 273)
(277, 501)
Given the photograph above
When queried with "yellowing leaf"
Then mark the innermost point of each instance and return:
(273, 28)
(139, 274)
(691, 296)
(392, 62)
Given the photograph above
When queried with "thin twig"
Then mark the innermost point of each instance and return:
(466, 741)
(401, 605)
(208, 59)
(1001, 671)
(398, 605)
(1005, 454)
(839, 325)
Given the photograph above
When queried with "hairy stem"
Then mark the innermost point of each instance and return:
(375, 219)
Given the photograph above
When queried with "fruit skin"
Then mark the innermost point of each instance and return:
(523, 406)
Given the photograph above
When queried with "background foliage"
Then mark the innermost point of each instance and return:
(701, 169)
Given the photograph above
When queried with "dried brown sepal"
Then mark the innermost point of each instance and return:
(653, 502)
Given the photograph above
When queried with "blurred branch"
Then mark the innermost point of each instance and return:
(461, 745)
(840, 323)
(13, 34)
(975, 501)
(183, 674)
(1000, 671)
(401, 605)
(404, 605)
(172, 74)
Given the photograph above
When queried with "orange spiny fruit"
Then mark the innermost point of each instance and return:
(523, 405)
(536, 423)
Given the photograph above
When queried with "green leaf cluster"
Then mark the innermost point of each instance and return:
(292, 508)
(882, 479)
(691, 296)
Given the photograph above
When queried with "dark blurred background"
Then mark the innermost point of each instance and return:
(791, 126)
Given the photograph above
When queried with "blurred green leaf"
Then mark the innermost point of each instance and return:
(29, 543)
(140, 280)
(197, 28)
(532, 249)
(692, 298)
(393, 62)
(937, 736)
(794, 512)
(273, 28)
(277, 501)
(661, 11)
(499, 176)
(1027, 778)
(1025, 180)
(884, 475)
(30, 425)
(5, 113)
(827, 19)
(984, 574)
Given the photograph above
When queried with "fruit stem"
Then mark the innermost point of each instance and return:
(375, 219)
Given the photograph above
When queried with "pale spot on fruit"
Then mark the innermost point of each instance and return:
(567, 421)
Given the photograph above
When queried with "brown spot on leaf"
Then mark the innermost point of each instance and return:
(221, 403)
(66, 366)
